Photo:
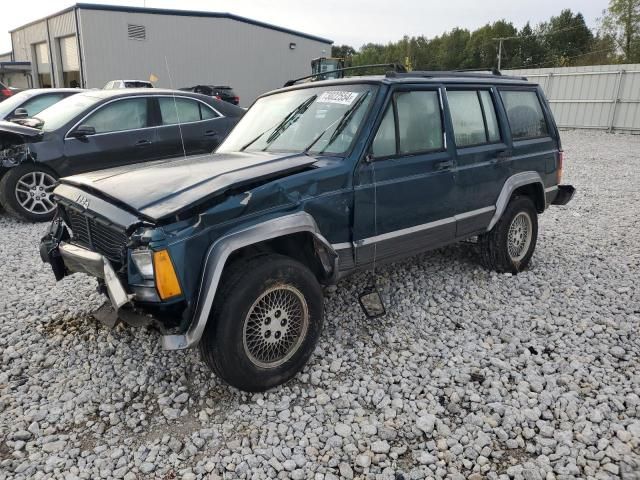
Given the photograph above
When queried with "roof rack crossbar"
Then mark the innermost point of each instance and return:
(395, 67)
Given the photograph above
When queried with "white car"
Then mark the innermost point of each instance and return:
(115, 84)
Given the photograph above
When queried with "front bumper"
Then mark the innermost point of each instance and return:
(80, 260)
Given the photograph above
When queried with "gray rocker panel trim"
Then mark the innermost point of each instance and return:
(216, 259)
(515, 181)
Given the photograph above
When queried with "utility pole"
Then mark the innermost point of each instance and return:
(500, 40)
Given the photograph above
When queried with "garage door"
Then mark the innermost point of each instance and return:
(69, 54)
(42, 58)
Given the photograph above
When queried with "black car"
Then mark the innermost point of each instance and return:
(30, 103)
(100, 129)
(220, 92)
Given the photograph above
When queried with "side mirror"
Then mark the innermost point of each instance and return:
(83, 131)
(20, 113)
(371, 303)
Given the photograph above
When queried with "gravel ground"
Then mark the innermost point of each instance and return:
(470, 375)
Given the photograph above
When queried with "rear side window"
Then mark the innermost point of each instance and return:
(525, 114)
(473, 116)
(183, 110)
(419, 125)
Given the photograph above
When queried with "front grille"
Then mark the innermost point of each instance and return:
(98, 236)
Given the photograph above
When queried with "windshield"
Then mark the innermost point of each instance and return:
(65, 110)
(316, 120)
(13, 102)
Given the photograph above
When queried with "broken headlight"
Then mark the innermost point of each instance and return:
(14, 155)
(143, 260)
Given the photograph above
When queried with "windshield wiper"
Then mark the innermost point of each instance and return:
(343, 122)
(279, 126)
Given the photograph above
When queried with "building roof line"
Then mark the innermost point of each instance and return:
(182, 13)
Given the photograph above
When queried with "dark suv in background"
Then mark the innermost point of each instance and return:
(99, 129)
(220, 92)
(228, 251)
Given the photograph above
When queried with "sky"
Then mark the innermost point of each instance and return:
(351, 22)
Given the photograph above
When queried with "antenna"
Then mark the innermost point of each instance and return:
(175, 105)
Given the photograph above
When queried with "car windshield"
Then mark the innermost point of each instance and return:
(136, 84)
(316, 120)
(65, 110)
(14, 101)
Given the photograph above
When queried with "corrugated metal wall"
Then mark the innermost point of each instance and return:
(219, 51)
(605, 97)
(25, 38)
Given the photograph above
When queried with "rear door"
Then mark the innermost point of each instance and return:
(188, 120)
(403, 191)
(482, 153)
(124, 134)
(535, 139)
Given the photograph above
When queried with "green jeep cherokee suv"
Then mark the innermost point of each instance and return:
(228, 251)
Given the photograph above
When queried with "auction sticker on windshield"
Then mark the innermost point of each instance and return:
(343, 98)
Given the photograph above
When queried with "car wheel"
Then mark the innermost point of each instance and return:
(509, 246)
(265, 322)
(25, 192)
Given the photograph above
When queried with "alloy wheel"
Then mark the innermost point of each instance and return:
(33, 192)
(275, 326)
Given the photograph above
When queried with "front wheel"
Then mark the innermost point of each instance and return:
(509, 246)
(265, 322)
(25, 192)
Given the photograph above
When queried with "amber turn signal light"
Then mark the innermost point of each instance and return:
(166, 278)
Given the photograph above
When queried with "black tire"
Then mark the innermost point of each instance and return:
(494, 245)
(223, 347)
(9, 195)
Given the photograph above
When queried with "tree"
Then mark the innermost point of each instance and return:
(343, 51)
(529, 51)
(565, 37)
(482, 48)
(621, 21)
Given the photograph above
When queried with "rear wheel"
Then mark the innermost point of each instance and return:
(265, 322)
(509, 246)
(25, 192)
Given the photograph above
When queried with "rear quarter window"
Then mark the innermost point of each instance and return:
(525, 114)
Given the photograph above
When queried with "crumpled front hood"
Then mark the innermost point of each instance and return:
(21, 130)
(166, 187)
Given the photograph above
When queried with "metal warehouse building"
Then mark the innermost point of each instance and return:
(88, 45)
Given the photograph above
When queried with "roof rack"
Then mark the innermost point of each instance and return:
(395, 68)
(453, 73)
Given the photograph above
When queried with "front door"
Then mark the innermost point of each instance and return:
(403, 190)
(123, 135)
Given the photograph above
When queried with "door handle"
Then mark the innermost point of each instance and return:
(503, 155)
(143, 143)
(445, 165)
(210, 133)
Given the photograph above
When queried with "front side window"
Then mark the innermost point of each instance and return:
(315, 120)
(525, 114)
(35, 105)
(120, 115)
(419, 125)
(473, 116)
